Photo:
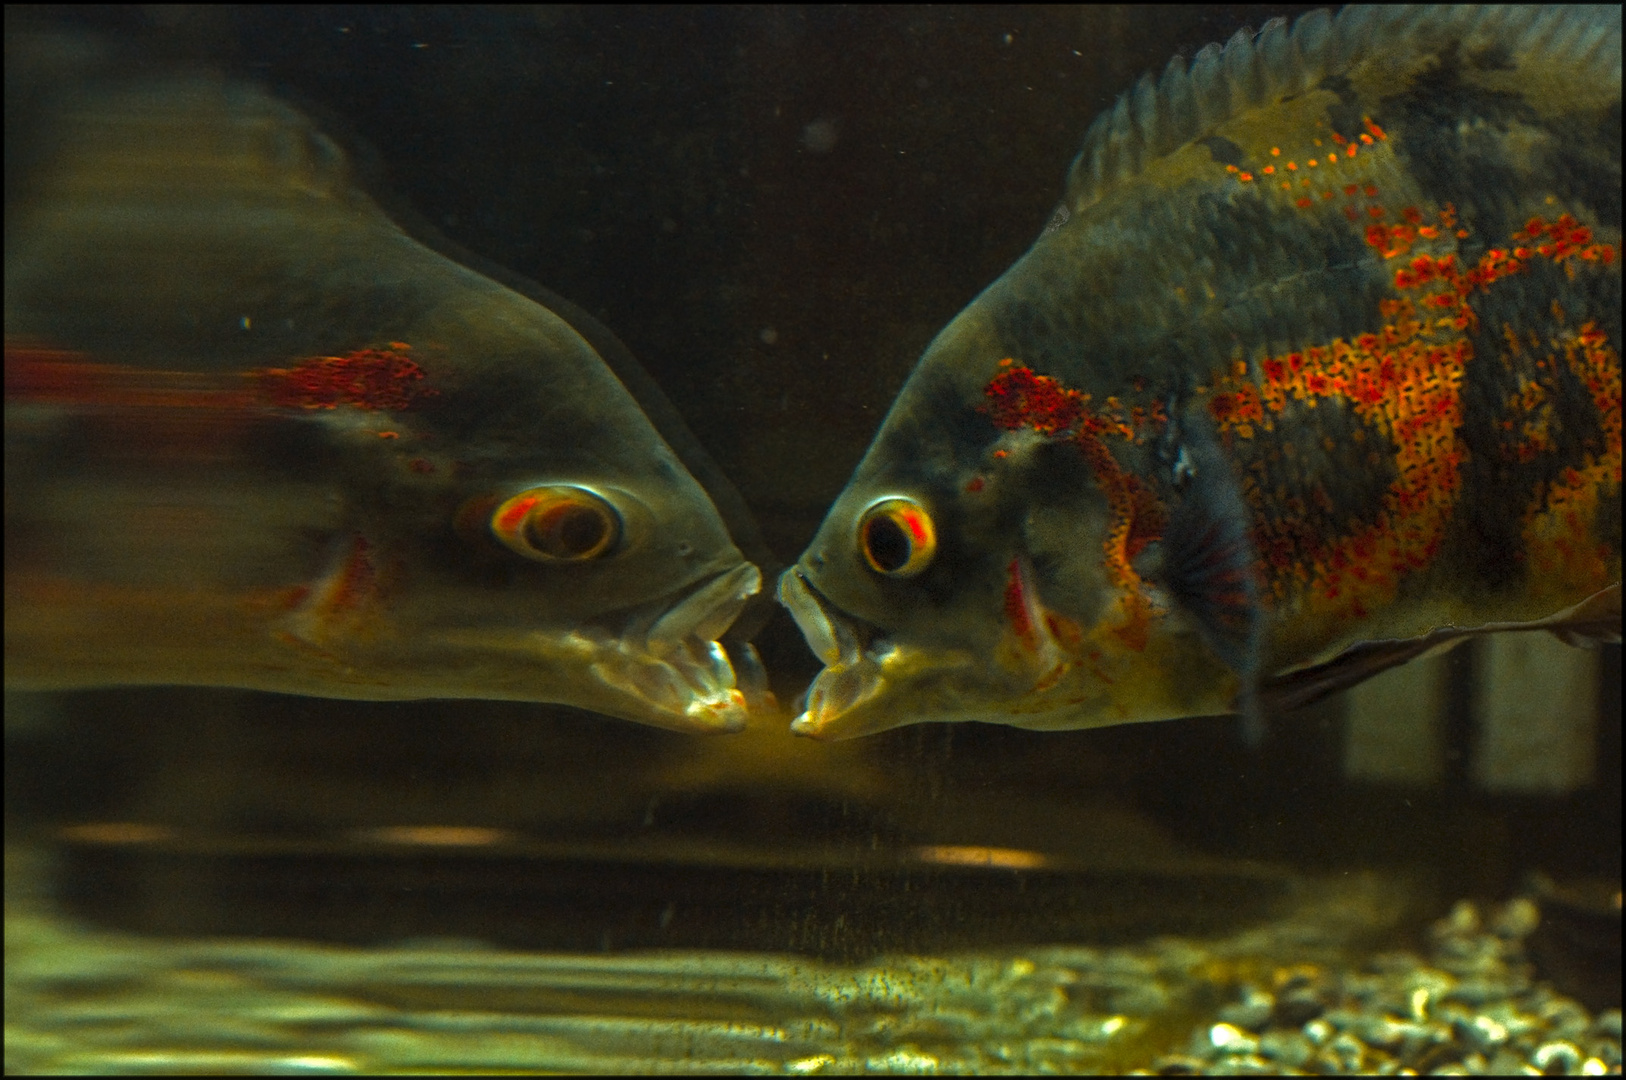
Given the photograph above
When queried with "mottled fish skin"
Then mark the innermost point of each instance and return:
(1320, 352)
(257, 436)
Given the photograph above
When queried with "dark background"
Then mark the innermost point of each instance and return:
(775, 209)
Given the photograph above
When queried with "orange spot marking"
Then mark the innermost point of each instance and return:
(355, 581)
(1136, 628)
(1405, 382)
(1016, 607)
(382, 380)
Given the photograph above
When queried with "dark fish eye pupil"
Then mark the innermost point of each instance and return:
(887, 544)
(572, 533)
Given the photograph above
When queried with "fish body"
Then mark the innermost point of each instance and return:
(1315, 367)
(258, 436)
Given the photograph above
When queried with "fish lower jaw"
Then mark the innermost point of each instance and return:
(674, 666)
(688, 686)
(835, 692)
(882, 687)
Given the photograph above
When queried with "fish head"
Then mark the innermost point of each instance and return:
(259, 436)
(981, 568)
(525, 533)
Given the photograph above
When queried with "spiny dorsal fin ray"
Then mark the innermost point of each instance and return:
(1188, 103)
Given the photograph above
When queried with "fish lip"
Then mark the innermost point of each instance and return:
(850, 648)
(667, 656)
(835, 635)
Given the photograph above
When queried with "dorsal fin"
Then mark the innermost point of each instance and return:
(1186, 103)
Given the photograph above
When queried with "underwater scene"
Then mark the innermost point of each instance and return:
(813, 540)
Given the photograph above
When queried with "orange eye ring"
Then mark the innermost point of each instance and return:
(897, 536)
(557, 524)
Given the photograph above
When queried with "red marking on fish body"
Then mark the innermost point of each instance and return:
(381, 380)
(1019, 398)
(59, 377)
(356, 581)
(1016, 607)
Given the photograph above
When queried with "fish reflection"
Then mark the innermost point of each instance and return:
(257, 436)
(1315, 369)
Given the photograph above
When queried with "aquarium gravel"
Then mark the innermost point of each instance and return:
(1470, 1008)
(1297, 995)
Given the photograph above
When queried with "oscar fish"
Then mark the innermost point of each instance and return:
(1314, 369)
(258, 436)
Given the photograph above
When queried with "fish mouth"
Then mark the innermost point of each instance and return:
(860, 664)
(873, 681)
(667, 658)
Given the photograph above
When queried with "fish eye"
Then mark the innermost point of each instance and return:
(557, 524)
(897, 537)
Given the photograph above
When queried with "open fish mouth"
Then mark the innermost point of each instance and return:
(855, 657)
(666, 657)
(872, 681)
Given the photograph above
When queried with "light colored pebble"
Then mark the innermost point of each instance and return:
(1252, 1012)
(1562, 1055)
(1288, 1047)
(1229, 1039)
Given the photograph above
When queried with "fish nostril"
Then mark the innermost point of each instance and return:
(816, 561)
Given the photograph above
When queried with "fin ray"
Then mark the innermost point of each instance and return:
(1248, 71)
